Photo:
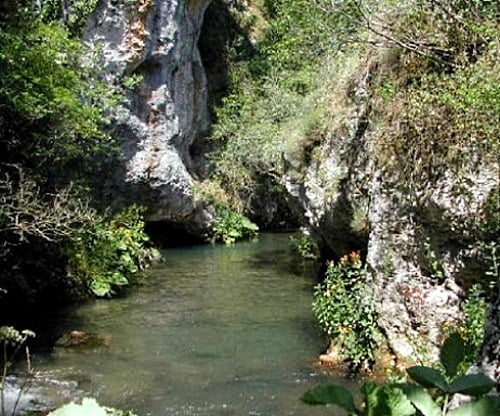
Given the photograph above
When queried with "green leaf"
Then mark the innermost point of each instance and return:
(119, 279)
(100, 288)
(472, 385)
(422, 400)
(87, 408)
(395, 402)
(486, 406)
(121, 245)
(452, 354)
(331, 394)
(428, 377)
(387, 400)
(372, 398)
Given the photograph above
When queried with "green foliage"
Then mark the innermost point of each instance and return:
(435, 267)
(86, 408)
(304, 246)
(387, 90)
(475, 309)
(274, 101)
(231, 226)
(299, 34)
(53, 109)
(73, 13)
(109, 255)
(54, 132)
(430, 395)
(74, 251)
(343, 305)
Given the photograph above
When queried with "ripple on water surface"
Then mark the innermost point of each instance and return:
(214, 330)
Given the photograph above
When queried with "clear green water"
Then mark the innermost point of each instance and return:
(212, 331)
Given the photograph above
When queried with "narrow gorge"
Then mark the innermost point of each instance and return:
(370, 128)
(411, 222)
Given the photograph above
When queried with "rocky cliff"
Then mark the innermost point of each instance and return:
(416, 234)
(165, 113)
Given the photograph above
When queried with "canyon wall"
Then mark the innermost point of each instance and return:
(165, 113)
(418, 238)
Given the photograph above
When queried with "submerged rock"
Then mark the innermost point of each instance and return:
(37, 393)
(84, 340)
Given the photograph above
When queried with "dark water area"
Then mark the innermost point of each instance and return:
(213, 330)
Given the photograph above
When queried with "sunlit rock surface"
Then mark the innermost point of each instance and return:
(166, 112)
(418, 244)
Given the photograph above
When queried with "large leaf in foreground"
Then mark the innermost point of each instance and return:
(331, 394)
(87, 408)
(487, 406)
(428, 377)
(472, 385)
(395, 402)
(387, 400)
(452, 354)
(422, 400)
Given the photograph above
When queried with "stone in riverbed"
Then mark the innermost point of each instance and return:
(83, 339)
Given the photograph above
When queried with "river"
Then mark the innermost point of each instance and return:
(213, 330)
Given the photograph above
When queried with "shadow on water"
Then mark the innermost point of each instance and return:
(214, 330)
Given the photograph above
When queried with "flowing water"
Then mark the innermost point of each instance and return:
(213, 330)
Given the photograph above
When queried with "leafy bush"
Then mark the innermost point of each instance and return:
(275, 97)
(86, 408)
(304, 246)
(343, 305)
(475, 309)
(428, 395)
(231, 226)
(110, 254)
(74, 250)
(53, 107)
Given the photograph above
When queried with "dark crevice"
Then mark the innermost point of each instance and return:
(166, 235)
(222, 41)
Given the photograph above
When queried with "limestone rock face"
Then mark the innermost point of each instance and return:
(166, 112)
(416, 242)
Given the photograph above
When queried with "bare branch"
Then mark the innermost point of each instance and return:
(26, 213)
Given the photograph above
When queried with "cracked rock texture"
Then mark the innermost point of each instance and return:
(165, 113)
(351, 202)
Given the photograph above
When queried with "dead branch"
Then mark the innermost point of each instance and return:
(26, 213)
